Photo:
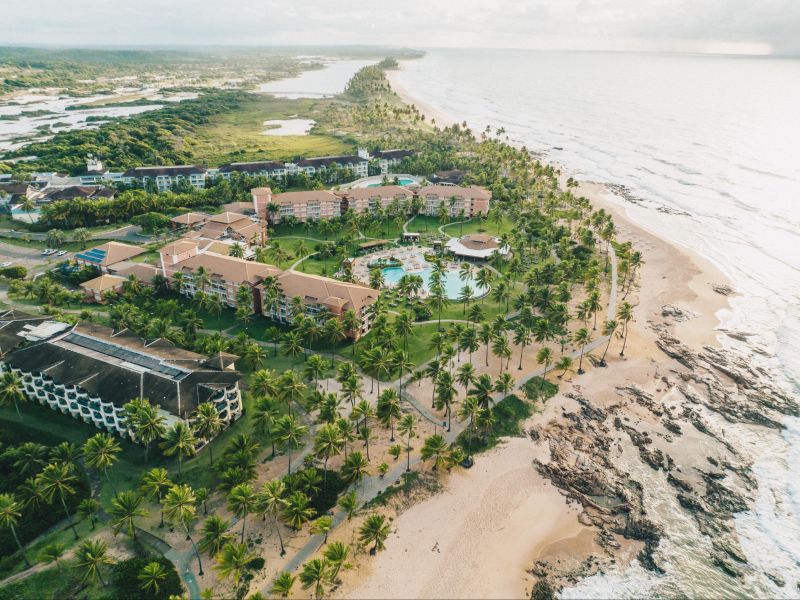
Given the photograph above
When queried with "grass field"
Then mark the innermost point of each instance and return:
(238, 135)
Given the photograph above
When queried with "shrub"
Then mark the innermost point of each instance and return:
(14, 272)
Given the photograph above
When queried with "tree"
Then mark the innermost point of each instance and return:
(154, 483)
(564, 364)
(336, 554)
(100, 452)
(88, 508)
(609, 328)
(254, 355)
(282, 586)
(91, 555)
(297, 511)
(470, 410)
(445, 393)
(355, 468)
(215, 535)
(179, 439)
(207, 424)
(582, 338)
(81, 235)
(151, 576)
(328, 442)
(233, 560)
(435, 447)
(242, 500)
(290, 433)
(146, 422)
(272, 501)
(11, 391)
(374, 530)
(625, 314)
(316, 574)
(58, 480)
(408, 427)
(322, 526)
(482, 390)
(180, 508)
(504, 384)
(53, 553)
(363, 411)
(544, 357)
(125, 507)
(388, 410)
(10, 512)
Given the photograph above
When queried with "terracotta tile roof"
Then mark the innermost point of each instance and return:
(109, 253)
(381, 191)
(231, 269)
(190, 218)
(166, 171)
(448, 191)
(103, 283)
(304, 197)
(323, 290)
(178, 247)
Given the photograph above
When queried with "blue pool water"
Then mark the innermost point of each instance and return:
(452, 281)
(402, 182)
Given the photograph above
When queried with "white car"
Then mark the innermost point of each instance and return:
(61, 253)
(3, 265)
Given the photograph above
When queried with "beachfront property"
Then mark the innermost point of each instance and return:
(467, 201)
(476, 247)
(311, 205)
(370, 199)
(358, 164)
(90, 372)
(234, 227)
(263, 168)
(166, 177)
(113, 280)
(389, 159)
(106, 255)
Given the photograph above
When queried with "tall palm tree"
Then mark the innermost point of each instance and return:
(582, 338)
(388, 410)
(10, 512)
(297, 511)
(11, 391)
(363, 411)
(180, 508)
(215, 535)
(374, 530)
(151, 576)
(435, 447)
(355, 468)
(272, 501)
(470, 411)
(242, 500)
(146, 422)
(232, 561)
(564, 364)
(624, 314)
(610, 327)
(282, 586)
(544, 357)
(336, 554)
(504, 384)
(91, 555)
(482, 390)
(328, 442)
(290, 433)
(88, 508)
(100, 452)
(316, 574)
(207, 424)
(445, 393)
(348, 504)
(53, 553)
(322, 525)
(58, 480)
(179, 439)
(125, 507)
(154, 483)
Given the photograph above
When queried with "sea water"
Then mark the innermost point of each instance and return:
(708, 147)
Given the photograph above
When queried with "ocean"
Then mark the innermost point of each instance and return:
(706, 145)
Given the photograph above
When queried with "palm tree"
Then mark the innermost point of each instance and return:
(355, 468)
(207, 424)
(58, 480)
(466, 375)
(272, 502)
(10, 512)
(565, 363)
(179, 439)
(482, 390)
(582, 338)
(363, 410)
(297, 511)
(435, 447)
(316, 574)
(336, 554)
(445, 393)
(52, 553)
(282, 586)
(522, 337)
(215, 535)
(254, 355)
(146, 422)
(625, 314)
(374, 530)
(470, 410)
(100, 452)
(348, 504)
(609, 328)
(292, 388)
(322, 525)
(91, 555)
(290, 433)
(11, 391)
(242, 500)
(233, 560)
(89, 507)
(501, 349)
(328, 442)
(151, 576)
(125, 507)
(180, 508)
(154, 483)
(544, 357)
(388, 410)
(504, 384)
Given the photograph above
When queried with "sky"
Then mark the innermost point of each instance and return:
(730, 26)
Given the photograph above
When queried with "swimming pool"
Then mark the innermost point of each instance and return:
(402, 182)
(452, 281)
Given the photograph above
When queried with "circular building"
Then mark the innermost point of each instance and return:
(476, 246)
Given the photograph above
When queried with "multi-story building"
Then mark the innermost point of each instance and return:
(312, 205)
(234, 226)
(388, 159)
(107, 254)
(265, 168)
(166, 177)
(370, 199)
(90, 372)
(467, 201)
(359, 165)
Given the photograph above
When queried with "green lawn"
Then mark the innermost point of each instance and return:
(478, 226)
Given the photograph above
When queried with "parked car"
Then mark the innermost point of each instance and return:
(3, 265)
(61, 253)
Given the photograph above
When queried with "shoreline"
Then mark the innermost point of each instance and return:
(677, 301)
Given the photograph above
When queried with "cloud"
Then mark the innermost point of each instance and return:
(765, 25)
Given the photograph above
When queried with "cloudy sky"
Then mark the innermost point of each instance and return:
(748, 26)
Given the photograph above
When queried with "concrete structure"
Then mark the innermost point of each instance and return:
(357, 164)
(473, 201)
(370, 199)
(90, 372)
(166, 177)
(476, 246)
(264, 168)
(389, 159)
(312, 205)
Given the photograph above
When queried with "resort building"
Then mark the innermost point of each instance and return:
(476, 246)
(388, 159)
(321, 296)
(107, 254)
(190, 220)
(312, 205)
(71, 192)
(235, 227)
(264, 168)
(359, 165)
(466, 201)
(166, 177)
(370, 199)
(97, 288)
(90, 372)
